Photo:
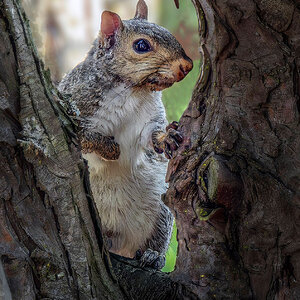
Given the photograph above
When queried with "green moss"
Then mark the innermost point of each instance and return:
(202, 184)
(213, 179)
(202, 214)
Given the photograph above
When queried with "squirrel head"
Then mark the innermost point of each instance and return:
(140, 53)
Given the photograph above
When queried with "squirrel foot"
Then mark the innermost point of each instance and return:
(104, 146)
(167, 142)
(151, 258)
(173, 125)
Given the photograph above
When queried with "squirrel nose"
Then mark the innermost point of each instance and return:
(184, 67)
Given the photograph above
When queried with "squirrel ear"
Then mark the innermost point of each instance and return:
(141, 10)
(110, 23)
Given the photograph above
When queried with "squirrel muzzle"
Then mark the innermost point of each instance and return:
(181, 68)
(177, 70)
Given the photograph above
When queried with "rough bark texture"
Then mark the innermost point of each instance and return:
(48, 243)
(235, 185)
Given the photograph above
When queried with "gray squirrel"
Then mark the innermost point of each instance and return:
(117, 92)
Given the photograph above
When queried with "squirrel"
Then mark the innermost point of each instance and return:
(123, 135)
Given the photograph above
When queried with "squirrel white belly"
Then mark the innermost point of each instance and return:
(129, 187)
(123, 129)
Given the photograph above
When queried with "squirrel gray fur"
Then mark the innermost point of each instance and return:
(117, 90)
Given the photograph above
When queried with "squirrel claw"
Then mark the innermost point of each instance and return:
(158, 150)
(151, 258)
(167, 142)
(168, 152)
(173, 125)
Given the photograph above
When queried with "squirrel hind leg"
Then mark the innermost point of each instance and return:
(152, 258)
(162, 232)
(157, 246)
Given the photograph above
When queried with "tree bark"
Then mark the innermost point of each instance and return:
(234, 186)
(50, 246)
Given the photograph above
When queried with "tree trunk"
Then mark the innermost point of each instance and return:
(49, 242)
(234, 186)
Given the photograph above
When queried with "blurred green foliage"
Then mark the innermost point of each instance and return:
(172, 252)
(173, 19)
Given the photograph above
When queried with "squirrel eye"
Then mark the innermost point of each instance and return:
(141, 46)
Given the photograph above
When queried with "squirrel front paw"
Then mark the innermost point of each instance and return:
(151, 258)
(104, 146)
(167, 142)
